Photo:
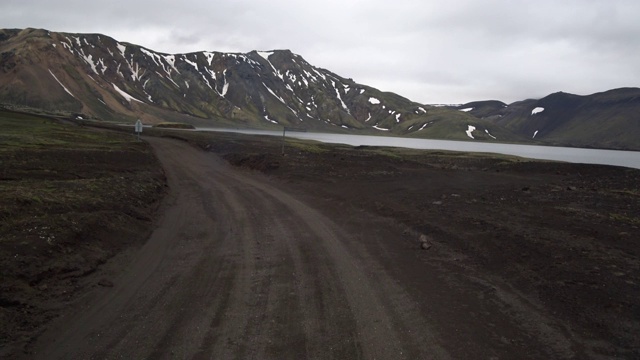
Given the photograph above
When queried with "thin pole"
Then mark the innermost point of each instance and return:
(284, 129)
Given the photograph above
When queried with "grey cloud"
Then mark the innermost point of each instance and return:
(428, 51)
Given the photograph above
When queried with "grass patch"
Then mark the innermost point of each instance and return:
(174, 125)
(625, 218)
(23, 131)
(305, 145)
(631, 192)
(70, 198)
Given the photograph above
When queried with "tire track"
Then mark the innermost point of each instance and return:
(236, 268)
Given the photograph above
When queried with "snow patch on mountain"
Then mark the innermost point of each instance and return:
(150, 54)
(424, 126)
(128, 97)
(487, 131)
(274, 94)
(103, 67)
(209, 56)
(466, 109)
(265, 54)
(374, 101)
(319, 74)
(537, 110)
(122, 48)
(225, 87)
(64, 87)
(470, 130)
(89, 60)
(171, 59)
(309, 75)
(135, 69)
(66, 46)
(174, 83)
(344, 106)
(195, 66)
(266, 117)
(157, 59)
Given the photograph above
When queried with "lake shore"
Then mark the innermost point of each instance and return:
(624, 158)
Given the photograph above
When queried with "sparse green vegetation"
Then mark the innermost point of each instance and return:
(308, 146)
(632, 192)
(625, 218)
(174, 125)
(70, 198)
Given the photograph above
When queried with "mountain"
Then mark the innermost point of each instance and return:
(95, 76)
(604, 120)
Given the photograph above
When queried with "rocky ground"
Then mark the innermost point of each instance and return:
(554, 240)
(564, 236)
(70, 200)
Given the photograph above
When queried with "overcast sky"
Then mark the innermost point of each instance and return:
(428, 51)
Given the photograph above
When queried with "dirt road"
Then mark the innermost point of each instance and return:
(238, 267)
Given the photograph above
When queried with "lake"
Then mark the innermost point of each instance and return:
(575, 155)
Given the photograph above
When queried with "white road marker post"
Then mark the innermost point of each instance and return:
(284, 131)
(138, 128)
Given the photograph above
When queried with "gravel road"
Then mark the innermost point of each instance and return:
(238, 267)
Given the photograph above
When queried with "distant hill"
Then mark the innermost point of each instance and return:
(609, 119)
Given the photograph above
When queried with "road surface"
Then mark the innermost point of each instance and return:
(238, 267)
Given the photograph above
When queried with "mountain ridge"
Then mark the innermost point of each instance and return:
(93, 75)
(607, 119)
(96, 76)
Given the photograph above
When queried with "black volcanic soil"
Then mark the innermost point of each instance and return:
(563, 237)
(71, 201)
(501, 257)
